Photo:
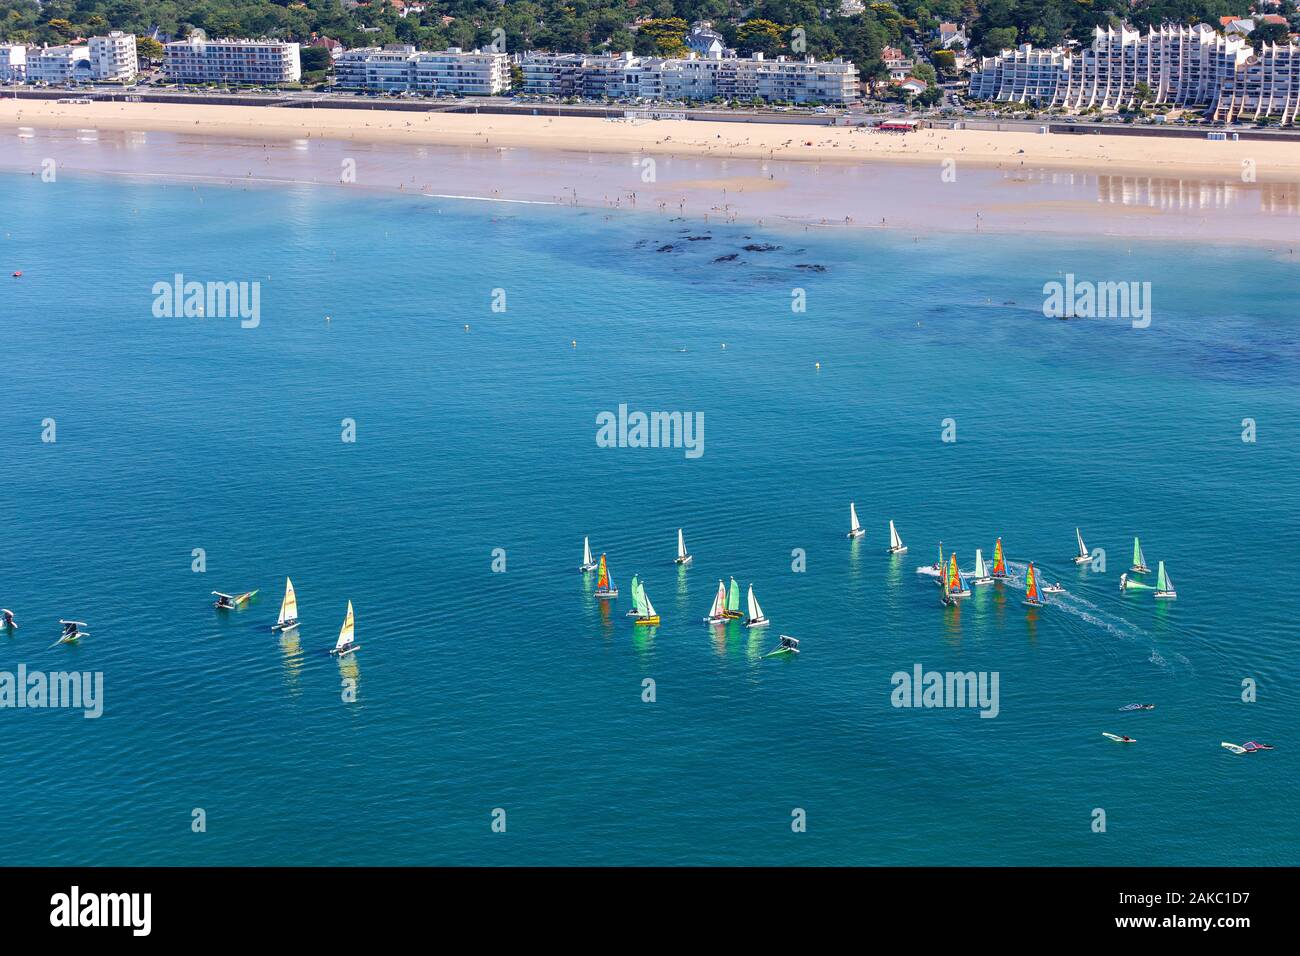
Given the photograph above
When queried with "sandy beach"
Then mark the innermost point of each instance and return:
(1272, 161)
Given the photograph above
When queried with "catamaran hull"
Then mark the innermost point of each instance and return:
(587, 568)
(607, 594)
(959, 594)
(732, 615)
(685, 560)
(1139, 569)
(981, 581)
(902, 550)
(344, 652)
(1033, 603)
(647, 621)
(758, 622)
(1166, 595)
(716, 620)
(1083, 559)
(856, 534)
(285, 627)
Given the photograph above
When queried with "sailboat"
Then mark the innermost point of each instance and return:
(682, 556)
(228, 602)
(733, 601)
(1083, 557)
(855, 529)
(636, 605)
(718, 612)
(587, 565)
(1139, 560)
(957, 587)
(71, 632)
(788, 645)
(346, 645)
(756, 618)
(1164, 585)
(649, 615)
(1129, 584)
(946, 599)
(605, 586)
(999, 562)
(896, 545)
(981, 574)
(288, 609)
(1033, 592)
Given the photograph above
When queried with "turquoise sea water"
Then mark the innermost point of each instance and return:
(479, 690)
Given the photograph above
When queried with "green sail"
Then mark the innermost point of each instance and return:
(1162, 583)
(636, 594)
(733, 598)
(638, 598)
(1138, 561)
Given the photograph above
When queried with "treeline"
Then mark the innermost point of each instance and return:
(589, 26)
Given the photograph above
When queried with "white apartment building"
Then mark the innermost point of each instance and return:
(13, 63)
(113, 57)
(1183, 66)
(249, 62)
(398, 67)
(690, 78)
(58, 64)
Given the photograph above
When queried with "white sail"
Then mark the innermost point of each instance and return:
(1083, 549)
(853, 518)
(894, 540)
(681, 544)
(755, 612)
(289, 606)
(647, 609)
(980, 570)
(345, 634)
(719, 601)
(586, 551)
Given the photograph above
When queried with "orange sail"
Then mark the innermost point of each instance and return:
(999, 565)
(602, 581)
(1031, 584)
(954, 576)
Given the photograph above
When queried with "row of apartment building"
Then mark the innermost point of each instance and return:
(600, 76)
(110, 58)
(1181, 66)
(243, 62)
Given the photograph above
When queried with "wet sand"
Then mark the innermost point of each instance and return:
(918, 197)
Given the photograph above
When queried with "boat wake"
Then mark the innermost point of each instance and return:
(1090, 613)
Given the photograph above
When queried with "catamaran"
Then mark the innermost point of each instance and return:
(649, 616)
(346, 645)
(7, 619)
(718, 612)
(228, 602)
(1128, 584)
(733, 602)
(71, 632)
(1164, 584)
(896, 545)
(981, 573)
(1139, 560)
(587, 565)
(1083, 557)
(945, 598)
(1033, 593)
(288, 609)
(756, 618)
(855, 529)
(682, 556)
(957, 587)
(605, 586)
(999, 571)
(788, 645)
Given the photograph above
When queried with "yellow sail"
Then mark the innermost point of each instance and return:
(289, 606)
(345, 635)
